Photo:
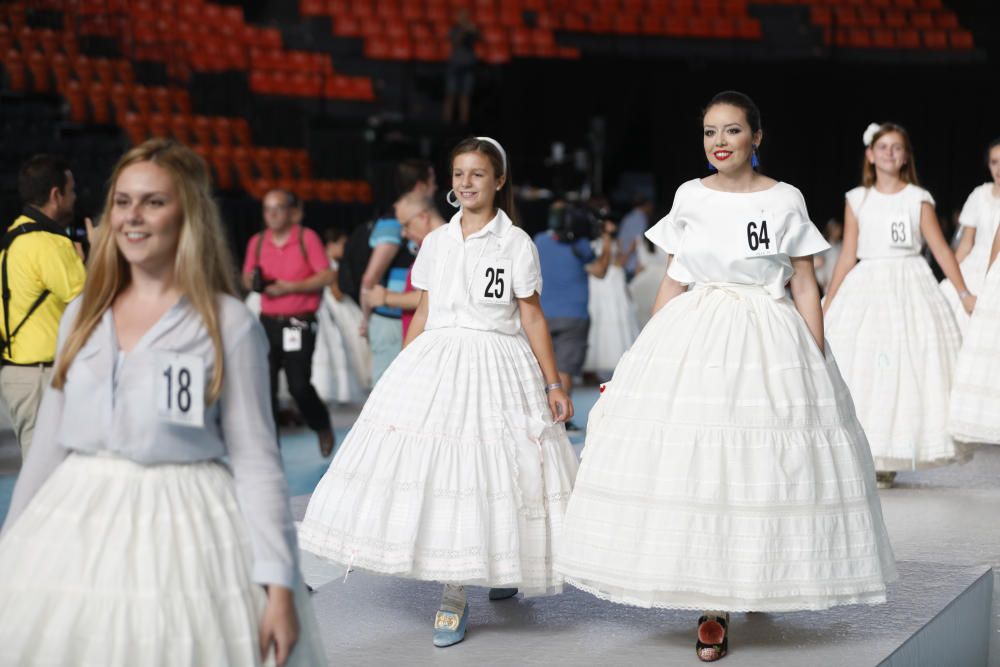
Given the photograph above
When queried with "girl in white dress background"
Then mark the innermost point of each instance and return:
(724, 467)
(613, 324)
(341, 367)
(458, 468)
(975, 396)
(888, 323)
(651, 263)
(979, 220)
(129, 541)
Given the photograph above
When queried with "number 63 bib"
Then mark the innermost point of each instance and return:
(491, 282)
(180, 388)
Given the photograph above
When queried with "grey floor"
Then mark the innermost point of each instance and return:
(943, 524)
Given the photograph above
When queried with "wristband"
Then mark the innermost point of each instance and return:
(554, 385)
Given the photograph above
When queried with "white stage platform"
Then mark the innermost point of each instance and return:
(945, 529)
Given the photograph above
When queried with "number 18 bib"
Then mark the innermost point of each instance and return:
(180, 388)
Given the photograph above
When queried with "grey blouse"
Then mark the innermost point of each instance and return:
(95, 413)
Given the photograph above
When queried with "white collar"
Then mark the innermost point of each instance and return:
(498, 226)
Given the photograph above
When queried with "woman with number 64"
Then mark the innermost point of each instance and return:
(724, 468)
(129, 541)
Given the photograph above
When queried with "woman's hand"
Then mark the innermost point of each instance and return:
(560, 405)
(969, 302)
(280, 624)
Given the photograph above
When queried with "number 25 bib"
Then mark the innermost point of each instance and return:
(492, 281)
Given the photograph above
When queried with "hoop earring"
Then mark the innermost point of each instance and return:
(448, 198)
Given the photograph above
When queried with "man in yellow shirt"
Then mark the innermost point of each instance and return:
(41, 273)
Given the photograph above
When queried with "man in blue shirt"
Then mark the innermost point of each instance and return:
(567, 263)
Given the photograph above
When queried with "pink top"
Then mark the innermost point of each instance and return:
(287, 263)
(407, 314)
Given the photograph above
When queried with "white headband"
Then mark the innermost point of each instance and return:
(870, 133)
(503, 154)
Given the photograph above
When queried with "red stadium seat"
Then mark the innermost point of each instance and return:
(39, 69)
(883, 38)
(945, 20)
(961, 39)
(100, 103)
(908, 38)
(180, 128)
(202, 127)
(135, 128)
(935, 39)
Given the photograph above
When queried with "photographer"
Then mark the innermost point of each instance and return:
(287, 265)
(42, 273)
(567, 261)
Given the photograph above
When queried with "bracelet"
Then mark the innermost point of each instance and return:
(554, 385)
(964, 293)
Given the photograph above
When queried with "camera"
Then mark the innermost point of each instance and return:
(257, 282)
(571, 221)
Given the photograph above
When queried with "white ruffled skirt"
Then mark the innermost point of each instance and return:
(724, 469)
(453, 471)
(116, 563)
(975, 396)
(896, 341)
(342, 360)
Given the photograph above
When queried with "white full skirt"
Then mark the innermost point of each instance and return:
(975, 396)
(896, 342)
(453, 471)
(724, 468)
(116, 563)
(613, 325)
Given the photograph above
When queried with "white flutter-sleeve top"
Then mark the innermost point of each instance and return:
(888, 224)
(744, 238)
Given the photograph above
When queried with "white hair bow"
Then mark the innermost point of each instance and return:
(870, 133)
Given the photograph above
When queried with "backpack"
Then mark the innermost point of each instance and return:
(5, 243)
(355, 260)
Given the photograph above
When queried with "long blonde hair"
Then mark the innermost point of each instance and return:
(203, 266)
(907, 173)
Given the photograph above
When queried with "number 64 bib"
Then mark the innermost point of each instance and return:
(491, 282)
(180, 388)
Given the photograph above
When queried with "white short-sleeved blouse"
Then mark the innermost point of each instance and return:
(888, 225)
(982, 211)
(736, 237)
(475, 282)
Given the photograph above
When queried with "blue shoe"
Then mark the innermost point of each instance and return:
(449, 627)
(502, 593)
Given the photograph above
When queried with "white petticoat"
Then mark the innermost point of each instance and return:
(116, 563)
(975, 396)
(724, 468)
(896, 342)
(453, 471)
(613, 326)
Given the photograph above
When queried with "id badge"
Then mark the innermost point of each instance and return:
(180, 388)
(291, 339)
(758, 241)
(900, 233)
(492, 282)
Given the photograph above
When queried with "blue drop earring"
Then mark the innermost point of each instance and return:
(754, 160)
(711, 167)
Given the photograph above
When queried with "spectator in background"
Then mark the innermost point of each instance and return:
(287, 265)
(388, 265)
(630, 234)
(825, 261)
(461, 77)
(567, 261)
(418, 217)
(42, 273)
